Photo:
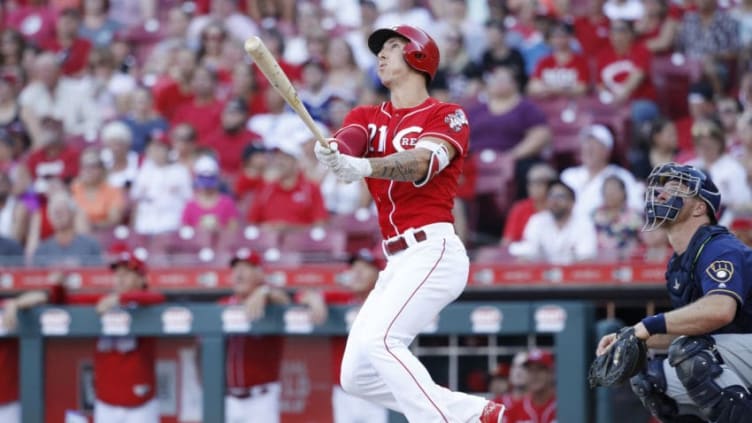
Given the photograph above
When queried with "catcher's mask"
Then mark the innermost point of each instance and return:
(690, 182)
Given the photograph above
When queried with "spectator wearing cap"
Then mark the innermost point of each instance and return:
(204, 110)
(701, 106)
(102, 203)
(72, 50)
(251, 177)
(142, 119)
(96, 24)
(287, 198)
(252, 363)
(537, 179)
(121, 161)
(709, 36)
(623, 74)
(728, 174)
(563, 73)
(51, 94)
(360, 278)
(124, 366)
(209, 209)
(229, 140)
(68, 246)
(557, 235)
(539, 404)
(586, 179)
(160, 191)
(498, 385)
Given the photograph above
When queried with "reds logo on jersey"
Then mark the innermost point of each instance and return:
(456, 120)
(406, 137)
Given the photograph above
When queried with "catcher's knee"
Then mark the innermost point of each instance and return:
(650, 387)
(698, 365)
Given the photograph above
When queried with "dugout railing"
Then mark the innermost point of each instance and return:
(570, 324)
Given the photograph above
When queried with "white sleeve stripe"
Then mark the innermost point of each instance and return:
(445, 138)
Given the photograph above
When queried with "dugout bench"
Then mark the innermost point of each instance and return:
(571, 323)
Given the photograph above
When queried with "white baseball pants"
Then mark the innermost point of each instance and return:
(107, 413)
(415, 286)
(351, 409)
(259, 407)
(10, 412)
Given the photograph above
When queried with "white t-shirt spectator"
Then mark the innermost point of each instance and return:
(120, 178)
(589, 193)
(160, 194)
(72, 102)
(543, 240)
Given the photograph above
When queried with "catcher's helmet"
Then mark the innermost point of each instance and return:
(693, 182)
(421, 52)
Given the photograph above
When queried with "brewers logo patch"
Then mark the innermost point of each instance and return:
(720, 271)
(456, 120)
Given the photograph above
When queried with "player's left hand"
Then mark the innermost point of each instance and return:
(327, 156)
(107, 303)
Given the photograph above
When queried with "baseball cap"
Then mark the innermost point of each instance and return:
(541, 358)
(246, 255)
(252, 149)
(130, 261)
(501, 370)
(371, 256)
(600, 133)
(207, 172)
(700, 92)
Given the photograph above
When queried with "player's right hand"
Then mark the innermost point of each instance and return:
(327, 156)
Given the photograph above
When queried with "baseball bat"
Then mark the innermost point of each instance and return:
(277, 78)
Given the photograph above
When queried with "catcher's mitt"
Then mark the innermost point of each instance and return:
(624, 359)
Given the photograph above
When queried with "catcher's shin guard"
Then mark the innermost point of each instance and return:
(698, 364)
(650, 387)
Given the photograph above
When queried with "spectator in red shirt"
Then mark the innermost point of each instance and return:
(251, 177)
(658, 27)
(592, 29)
(562, 73)
(72, 49)
(498, 385)
(539, 404)
(361, 278)
(252, 363)
(204, 110)
(53, 155)
(287, 198)
(538, 178)
(230, 139)
(174, 90)
(624, 74)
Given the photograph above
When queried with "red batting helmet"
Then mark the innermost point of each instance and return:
(421, 52)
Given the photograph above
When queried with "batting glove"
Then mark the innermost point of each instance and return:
(327, 156)
(350, 169)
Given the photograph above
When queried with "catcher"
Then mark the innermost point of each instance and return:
(708, 370)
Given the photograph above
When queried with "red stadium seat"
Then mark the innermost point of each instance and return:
(361, 228)
(186, 246)
(317, 244)
(258, 238)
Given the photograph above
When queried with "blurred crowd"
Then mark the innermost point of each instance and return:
(143, 124)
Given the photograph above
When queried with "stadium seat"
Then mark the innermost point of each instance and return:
(258, 238)
(186, 247)
(361, 228)
(317, 244)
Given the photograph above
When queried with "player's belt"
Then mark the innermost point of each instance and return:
(399, 244)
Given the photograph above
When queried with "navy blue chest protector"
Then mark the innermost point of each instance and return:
(680, 275)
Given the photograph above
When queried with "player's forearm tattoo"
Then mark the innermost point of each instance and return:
(406, 166)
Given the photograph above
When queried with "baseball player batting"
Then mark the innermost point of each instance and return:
(410, 150)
